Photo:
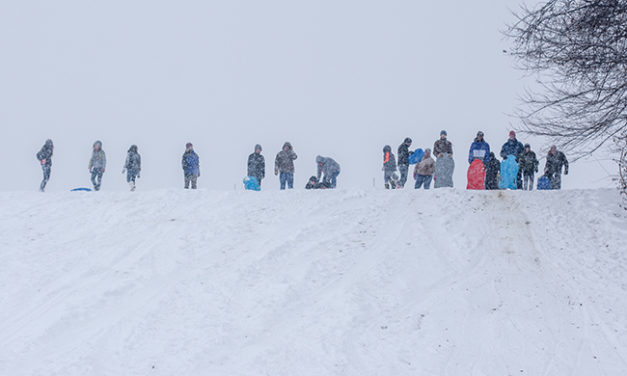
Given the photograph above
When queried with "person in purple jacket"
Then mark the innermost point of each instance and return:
(479, 149)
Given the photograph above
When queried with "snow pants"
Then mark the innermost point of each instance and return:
(193, 179)
(96, 177)
(404, 170)
(331, 180)
(46, 171)
(528, 178)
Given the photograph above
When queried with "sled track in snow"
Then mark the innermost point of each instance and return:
(443, 282)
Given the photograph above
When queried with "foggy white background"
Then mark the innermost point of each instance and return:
(337, 78)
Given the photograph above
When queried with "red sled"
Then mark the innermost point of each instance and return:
(476, 175)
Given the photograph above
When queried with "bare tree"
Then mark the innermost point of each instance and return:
(578, 49)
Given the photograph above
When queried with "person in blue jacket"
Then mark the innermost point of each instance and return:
(515, 148)
(479, 149)
(191, 166)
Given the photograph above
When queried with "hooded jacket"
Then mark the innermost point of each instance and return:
(512, 147)
(133, 160)
(479, 150)
(425, 167)
(403, 155)
(191, 163)
(555, 162)
(46, 153)
(98, 158)
(327, 166)
(257, 165)
(389, 160)
(528, 161)
(284, 161)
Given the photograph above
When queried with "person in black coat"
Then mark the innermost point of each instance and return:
(257, 164)
(555, 161)
(403, 161)
(492, 173)
(44, 156)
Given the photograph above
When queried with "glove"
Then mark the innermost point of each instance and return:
(536, 169)
(123, 170)
(566, 172)
(276, 172)
(103, 170)
(138, 175)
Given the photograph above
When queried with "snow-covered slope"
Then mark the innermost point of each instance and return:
(445, 282)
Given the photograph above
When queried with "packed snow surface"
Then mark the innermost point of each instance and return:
(443, 282)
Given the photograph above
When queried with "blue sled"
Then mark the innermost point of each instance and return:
(80, 190)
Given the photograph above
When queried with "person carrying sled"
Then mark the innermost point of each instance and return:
(442, 146)
(515, 148)
(257, 165)
(403, 161)
(44, 156)
(479, 149)
(97, 165)
(555, 160)
(329, 170)
(389, 167)
(528, 165)
(492, 173)
(132, 166)
(284, 166)
(191, 166)
(423, 172)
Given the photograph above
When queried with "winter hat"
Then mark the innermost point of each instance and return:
(133, 148)
(480, 133)
(387, 149)
(443, 133)
(319, 159)
(527, 146)
(407, 141)
(258, 147)
(512, 133)
(98, 143)
(189, 145)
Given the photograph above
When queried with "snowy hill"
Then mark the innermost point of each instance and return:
(445, 282)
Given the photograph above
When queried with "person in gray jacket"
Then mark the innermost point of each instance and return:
(44, 156)
(330, 168)
(132, 166)
(284, 166)
(97, 165)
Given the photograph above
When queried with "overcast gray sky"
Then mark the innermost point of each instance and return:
(338, 78)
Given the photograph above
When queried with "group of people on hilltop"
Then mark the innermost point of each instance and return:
(426, 168)
(513, 152)
(522, 158)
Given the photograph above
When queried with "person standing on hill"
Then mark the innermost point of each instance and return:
(44, 156)
(403, 161)
(442, 146)
(328, 168)
(423, 173)
(492, 173)
(97, 165)
(479, 149)
(257, 165)
(284, 166)
(515, 148)
(132, 166)
(555, 160)
(191, 166)
(529, 165)
(389, 168)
